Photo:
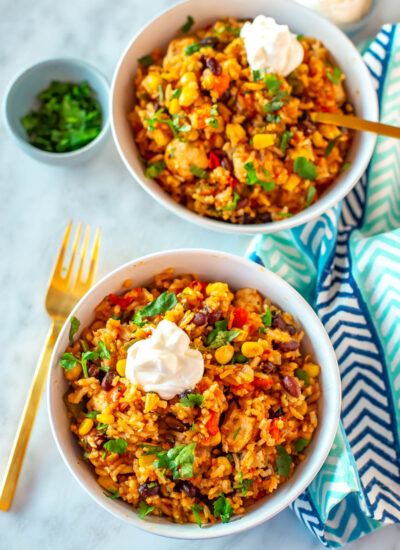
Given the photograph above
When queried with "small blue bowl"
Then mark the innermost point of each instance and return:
(22, 94)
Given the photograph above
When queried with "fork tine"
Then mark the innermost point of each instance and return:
(73, 254)
(93, 259)
(83, 253)
(60, 260)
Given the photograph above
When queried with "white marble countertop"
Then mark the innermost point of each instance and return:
(50, 510)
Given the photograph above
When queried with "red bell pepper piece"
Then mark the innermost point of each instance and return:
(115, 394)
(212, 424)
(263, 383)
(232, 181)
(240, 317)
(198, 285)
(120, 301)
(213, 161)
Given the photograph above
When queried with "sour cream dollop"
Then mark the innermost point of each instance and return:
(164, 363)
(271, 47)
(339, 11)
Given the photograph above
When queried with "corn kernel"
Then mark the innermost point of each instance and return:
(252, 349)
(329, 131)
(312, 369)
(224, 462)
(292, 182)
(235, 133)
(318, 140)
(260, 141)
(174, 106)
(188, 77)
(73, 373)
(151, 402)
(105, 418)
(189, 94)
(216, 288)
(121, 364)
(85, 426)
(145, 461)
(152, 81)
(224, 354)
(302, 408)
(160, 137)
(106, 482)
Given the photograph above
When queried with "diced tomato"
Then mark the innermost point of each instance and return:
(199, 285)
(213, 160)
(274, 431)
(232, 181)
(261, 494)
(212, 424)
(115, 394)
(263, 383)
(120, 301)
(221, 83)
(240, 317)
(239, 387)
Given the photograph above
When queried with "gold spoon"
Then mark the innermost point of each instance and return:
(356, 123)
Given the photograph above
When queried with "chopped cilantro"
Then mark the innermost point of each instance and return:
(285, 140)
(213, 122)
(163, 303)
(198, 172)
(92, 414)
(300, 444)
(68, 361)
(146, 60)
(244, 484)
(111, 493)
(221, 337)
(335, 76)
(154, 169)
(239, 358)
(253, 179)
(302, 374)
(273, 118)
(267, 318)
(232, 205)
(277, 102)
(196, 512)
(235, 433)
(103, 351)
(300, 37)
(284, 215)
(223, 509)
(256, 75)
(160, 93)
(305, 169)
(179, 460)
(329, 148)
(144, 509)
(192, 48)
(345, 166)
(101, 427)
(283, 461)
(273, 83)
(192, 400)
(188, 25)
(310, 195)
(151, 449)
(75, 324)
(117, 446)
(176, 93)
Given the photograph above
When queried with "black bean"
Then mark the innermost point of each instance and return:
(106, 383)
(284, 347)
(267, 366)
(291, 330)
(174, 423)
(93, 371)
(145, 491)
(275, 414)
(241, 203)
(308, 128)
(157, 106)
(226, 163)
(265, 217)
(225, 97)
(278, 322)
(214, 66)
(200, 318)
(203, 60)
(246, 219)
(187, 487)
(214, 316)
(123, 406)
(291, 386)
(99, 440)
(209, 41)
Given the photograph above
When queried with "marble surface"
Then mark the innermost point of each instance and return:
(36, 202)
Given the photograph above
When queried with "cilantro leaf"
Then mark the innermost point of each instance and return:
(151, 449)
(154, 169)
(101, 427)
(232, 205)
(92, 414)
(198, 172)
(179, 460)
(300, 444)
(273, 118)
(244, 484)
(223, 337)
(146, 60)
(239, 358)
(176, 93)
(75, 324)
(283, 461)
(305, 169)
(163, 303)
(267, 318)
(253, 179)
(277, 102)
(335, 76)
(285, 140)
(103, 351)
(256, 75)
(302, 374)
(85, 357)
(196, 512)
(192, 400)
(213, 122)
(235, 433)
(117, 446)
(111, 493)
(188, 25)
(192, 48)
(144, 509)
(329, 147)
(300, 37)
(345, 166)
(68, 361)
(310, 195)
(272, 82)
(223, 509)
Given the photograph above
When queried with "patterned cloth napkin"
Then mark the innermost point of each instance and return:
(347, 265)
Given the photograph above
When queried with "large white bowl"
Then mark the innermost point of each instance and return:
(164, 27)
(238, 272)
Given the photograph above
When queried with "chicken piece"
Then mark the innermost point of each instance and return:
(175, 55)
(248, 298)
(180, 156)
(237, 430)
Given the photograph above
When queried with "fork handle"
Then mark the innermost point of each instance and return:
(16, 458)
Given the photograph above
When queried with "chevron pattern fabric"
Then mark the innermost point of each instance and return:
(347, 265)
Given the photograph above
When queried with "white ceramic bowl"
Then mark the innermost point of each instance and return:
(238, 272)
(21, 97)
(164, 27)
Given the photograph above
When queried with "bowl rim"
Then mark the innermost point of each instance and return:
(331, 415)
(302, 217)
(23, 143)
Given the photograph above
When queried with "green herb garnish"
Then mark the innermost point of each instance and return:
(101, 427)
(232, 205)
(192, 400)
(239, 358)
(277, 102)
(188, 25)
(283, 461)
(235, 433)
(151, 449)
(163, 303)
(305, 168)
(192, 48)
(244, 484)
(329, 148)
(300, 37)
(302, 374)
(223, 509)
(176, 93)
(68, 118)
(273, 83)
(310, 195)
(198, 172)
(73, 329)
(111, 493)
(117, 446)
(146, 60)
(144, 509)
(221, 337)
(154, 169)
(179, 460)
(345, 166)
(92, 414)
(300, 444)
(196, 512)
(213, 122)
(253, 179)
(267, 318)
(256, 75)
(285, 140)
(335, 75)
(273, 118)
(103, 351)
(160, 93)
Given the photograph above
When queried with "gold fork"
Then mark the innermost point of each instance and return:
(62, 294)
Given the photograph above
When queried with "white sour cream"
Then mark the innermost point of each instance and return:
(164, 363)
(271, 47)
(339, 11)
